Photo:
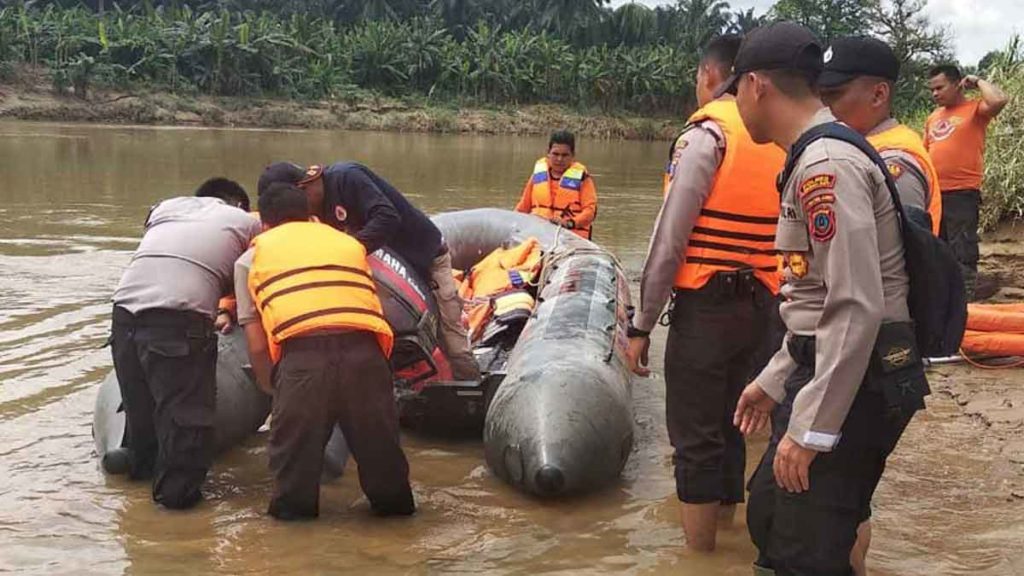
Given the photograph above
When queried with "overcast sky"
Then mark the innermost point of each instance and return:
(977, 26)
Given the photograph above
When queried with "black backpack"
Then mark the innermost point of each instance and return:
(937, 301)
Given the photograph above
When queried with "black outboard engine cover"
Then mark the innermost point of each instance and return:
(411, 311)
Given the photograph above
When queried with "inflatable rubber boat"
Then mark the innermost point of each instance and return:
(561, 419)
(554, 402)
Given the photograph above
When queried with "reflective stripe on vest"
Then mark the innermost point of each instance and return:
(904, 139)
(307, 277)
(565, 202)
(736, 226)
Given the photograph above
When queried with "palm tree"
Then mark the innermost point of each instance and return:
(568, 18)
(458, 15)
(634, 25)
(698, 21)
(743, 21)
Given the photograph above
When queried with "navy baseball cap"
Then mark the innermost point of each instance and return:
(286, 172)
(855, 56)
(777, 46)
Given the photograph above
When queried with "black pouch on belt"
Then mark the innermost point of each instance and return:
(896, 369)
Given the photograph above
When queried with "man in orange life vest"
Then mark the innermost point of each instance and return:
(713, 250)
(354, 199)
(560, 189)
(319, 343)
(955, 137)
(857, 84)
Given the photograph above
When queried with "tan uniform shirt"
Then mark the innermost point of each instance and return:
(697, 156)
(245, 308)
(911, 178)
(185, 260)
(844, 275)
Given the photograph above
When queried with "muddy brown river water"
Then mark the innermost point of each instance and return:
(72, 202)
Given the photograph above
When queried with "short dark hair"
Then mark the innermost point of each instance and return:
(721, 52)
(281, 203)
(227, 190)
(563, 137)
(792, 82)
(950, 71)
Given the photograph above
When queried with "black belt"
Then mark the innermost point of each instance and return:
(164, 317)
(730, 284)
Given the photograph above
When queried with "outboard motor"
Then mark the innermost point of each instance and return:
(411, 311)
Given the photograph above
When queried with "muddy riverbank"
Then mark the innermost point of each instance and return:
(31, 99)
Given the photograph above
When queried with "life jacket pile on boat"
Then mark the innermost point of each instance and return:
(499, 292)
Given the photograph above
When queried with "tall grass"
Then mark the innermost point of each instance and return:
(247, 53)
(1004, 156)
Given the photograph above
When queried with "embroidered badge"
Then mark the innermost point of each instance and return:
(819, 182)
(796, 263)
(340, 214)
(894, 169)
(818, 200)
(823, 224)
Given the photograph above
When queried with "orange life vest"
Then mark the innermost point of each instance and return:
(503, 269)
(736, 226)
(564, 201)
(306, 277)
(496, 287)
(906, 140)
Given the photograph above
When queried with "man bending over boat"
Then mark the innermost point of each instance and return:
(163, 342)
(352, 198)
(310, 309)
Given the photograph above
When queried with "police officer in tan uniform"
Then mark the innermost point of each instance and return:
(713, 251)
(858, 85)
(845, 289)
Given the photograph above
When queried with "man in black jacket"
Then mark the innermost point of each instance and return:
(352, 198)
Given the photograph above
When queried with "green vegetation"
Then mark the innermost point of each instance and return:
(1004, 157)
(579, 53)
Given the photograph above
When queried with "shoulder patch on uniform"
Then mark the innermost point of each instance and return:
(819, 182)
(678, 147)
(819, 200)
(823, 223)
(894, 169)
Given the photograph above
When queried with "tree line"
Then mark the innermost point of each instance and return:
(582, 53)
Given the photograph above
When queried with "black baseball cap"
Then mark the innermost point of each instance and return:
(854, 56)
(286, 172)
(777, 46)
